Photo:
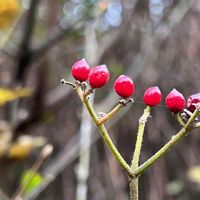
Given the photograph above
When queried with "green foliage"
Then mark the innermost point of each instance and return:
(30, 180)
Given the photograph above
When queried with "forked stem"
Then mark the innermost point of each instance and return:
(134, 171)
(174, 139)
(104, 132)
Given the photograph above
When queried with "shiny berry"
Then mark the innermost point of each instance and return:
(192, 101)
(81, 70)
(99, 76)
(124, 86)
(175, 101)
(152, 96)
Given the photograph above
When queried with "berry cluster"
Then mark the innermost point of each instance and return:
(124, 87)
(99, 76)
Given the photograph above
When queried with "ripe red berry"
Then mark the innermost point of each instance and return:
(99, 76)
(192, 101)
(175, 101)
(152, 96)
(124, 86)
(81, 70)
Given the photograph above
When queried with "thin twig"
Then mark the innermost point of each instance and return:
(46, 151)
(111, 113)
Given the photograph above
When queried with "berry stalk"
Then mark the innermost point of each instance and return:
(111, 113)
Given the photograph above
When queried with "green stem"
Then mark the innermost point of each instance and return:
(136, 155)
(133, 186)
(176, 138)
(104, 133)
(114, 150)
(111, 113)
(139, 140)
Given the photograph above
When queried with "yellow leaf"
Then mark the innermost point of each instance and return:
(7, 95)
(24, 146)
(194, 174)
(9, 9)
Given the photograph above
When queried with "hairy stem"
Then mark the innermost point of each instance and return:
(139, 140)
(138, 146)
(176, 138)
(133, 186)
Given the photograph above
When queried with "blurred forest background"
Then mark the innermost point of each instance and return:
(155, 42)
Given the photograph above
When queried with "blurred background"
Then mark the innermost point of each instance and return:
(155, 42)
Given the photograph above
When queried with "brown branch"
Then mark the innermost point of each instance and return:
(24, 56)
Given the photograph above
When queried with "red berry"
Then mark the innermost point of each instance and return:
(124, 86)
(99, 76)
(192, 100)
(175, 101)
(152, 96)
(81, 70)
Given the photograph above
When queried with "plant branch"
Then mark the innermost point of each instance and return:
(176, 138)
(138, 146)
(114, 150)
(24, 49)
(111, 113)
(46, 151)
(104, 133)
(133, 183)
